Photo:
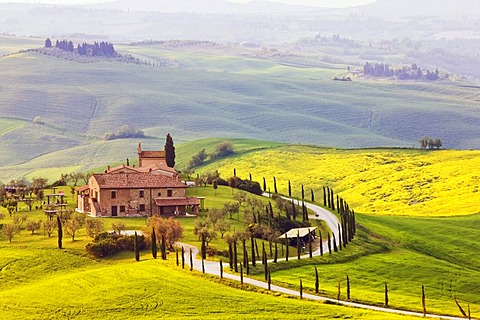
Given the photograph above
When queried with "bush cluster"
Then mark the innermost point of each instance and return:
(106, 244)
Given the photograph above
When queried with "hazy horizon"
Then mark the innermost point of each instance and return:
(318, 3)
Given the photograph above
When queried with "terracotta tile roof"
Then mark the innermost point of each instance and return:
(136, 180)
(122, 166)
(189, 201)
(152, 154)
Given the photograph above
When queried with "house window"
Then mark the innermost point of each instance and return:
(170, 193)
(142, 207)
(114, 194)
(141, 193)
(122, 208)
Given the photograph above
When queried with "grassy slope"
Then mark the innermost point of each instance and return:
(76, 286)
(439, 253)
(252, 98)
(385, 182)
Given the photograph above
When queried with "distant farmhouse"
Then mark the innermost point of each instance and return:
(152, 188)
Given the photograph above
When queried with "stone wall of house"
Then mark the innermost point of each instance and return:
(135, 201)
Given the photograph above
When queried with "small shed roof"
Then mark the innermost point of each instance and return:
(302, 232)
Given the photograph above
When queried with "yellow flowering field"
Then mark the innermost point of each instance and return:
(373, 181)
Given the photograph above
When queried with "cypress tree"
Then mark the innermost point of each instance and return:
(135, 247)
(303, 193)
(324, 197)
(163, 248)
(329, 198)
(241, 273)
(169, 151)
(294, 209)
(245, 256)
(275, 256)
(256, 249)
(250, 176)
(333, 201)
(264, 256)
(339, 237)
(313, 195)
(264, 185)
(310, 249)
(348, 288)
(329, 244)
(203, 265)
(301, 289)
(386, 295)
(235, 257)
(317, 281)
(334, 242)
(424, 305)
(234, 172)
(230, 255)
(191, 260)
(298, 245)
(286, 247)
(275, 185)
(221, 269)
(270, 248)
(246, 263)
(338, 205)
(183, 258)
(265, 266)
(177, 259)
(154, 244)
(321, 242)
(60, 232)
(253, 250)
(289, 189)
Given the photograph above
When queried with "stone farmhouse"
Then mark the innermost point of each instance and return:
(150, 189)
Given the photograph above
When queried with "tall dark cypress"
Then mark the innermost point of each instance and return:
(245, 255)
(286, 247)
(329, 198)
(301, 289)
(176, 255)
(250, 176)
(386, 295)
(221, 269)
(234, 172)
(324, 197)
(191, 259)
(289, 189)
(264, 185)
(253, 250)
(203, 247)
(60, 232)
(329, 243)
(303, 192)
(265, 265)
(154, 244)
(256, 249)
(334, 243)
(235, 257)
(348, 288)
(333, 200)
(317, 281)
(313, 195)
(230, 255)
(310, 249)
(275, 185)
(424, 305)
(163, 248)
(321, 242)
(135, 247)
(275, 256)
(339, 236)
(338, 204)
(183, 257)
(299, 247)
(169, 151)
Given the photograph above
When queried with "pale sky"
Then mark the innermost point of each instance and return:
(320, 3)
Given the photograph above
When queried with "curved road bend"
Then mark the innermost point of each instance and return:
(212, 267)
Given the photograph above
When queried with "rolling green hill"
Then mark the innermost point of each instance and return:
(220, 94)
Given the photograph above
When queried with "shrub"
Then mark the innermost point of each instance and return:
(249, 186)
(106, 244)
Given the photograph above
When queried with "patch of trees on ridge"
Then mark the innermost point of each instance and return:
(429, 143)
(100, 49)
(412, 72)
(124, 132)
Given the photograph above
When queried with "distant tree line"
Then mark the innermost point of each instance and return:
(429, 143)
(337, 40)
(412, 72)
(124, 132)
(222, 150)
(101, 49)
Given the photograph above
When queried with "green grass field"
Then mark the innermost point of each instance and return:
(39, 281)
(405, 253)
